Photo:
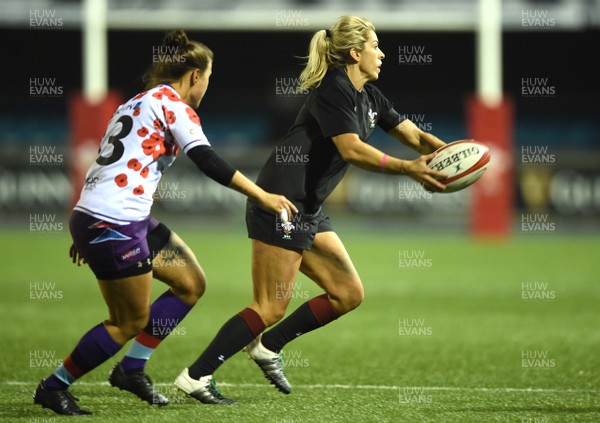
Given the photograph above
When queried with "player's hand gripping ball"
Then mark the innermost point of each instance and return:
(463, 161)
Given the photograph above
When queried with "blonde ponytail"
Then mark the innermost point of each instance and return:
(332, 48)
(316, 64)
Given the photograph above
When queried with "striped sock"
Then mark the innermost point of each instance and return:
(235, 334)
(94, 348)
(311, 315)
(165, 314)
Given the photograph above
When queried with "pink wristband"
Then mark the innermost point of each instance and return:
(383, 160)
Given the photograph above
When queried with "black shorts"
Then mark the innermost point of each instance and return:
(299, 234)
(117, 251)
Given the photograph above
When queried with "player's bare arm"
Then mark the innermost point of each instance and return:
(367, 157)
(275, 203)
(412, 136)
(209, 162)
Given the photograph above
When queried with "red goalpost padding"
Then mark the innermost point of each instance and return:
(87, 126)
(492, 197)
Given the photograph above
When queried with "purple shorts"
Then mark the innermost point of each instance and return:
(117, 251)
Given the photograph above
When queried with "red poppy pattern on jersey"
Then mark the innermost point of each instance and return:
(169, 116)
(134, 164)
(121, 180)
(192, 115)
(170, 94)
(140, 95)
(158, 131)
(154, 146)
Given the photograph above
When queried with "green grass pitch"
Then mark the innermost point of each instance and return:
(451, 330)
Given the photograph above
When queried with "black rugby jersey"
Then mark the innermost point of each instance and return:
(305, 164)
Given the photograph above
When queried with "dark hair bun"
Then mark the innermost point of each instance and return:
(176, 38)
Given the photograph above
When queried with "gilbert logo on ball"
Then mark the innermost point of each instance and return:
(462, 161)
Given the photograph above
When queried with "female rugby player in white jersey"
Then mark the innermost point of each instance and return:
(124, 245)
(338, 117)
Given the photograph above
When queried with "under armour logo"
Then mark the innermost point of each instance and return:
(141, 263)
(221, 358)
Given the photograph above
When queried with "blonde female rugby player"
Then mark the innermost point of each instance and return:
(332, 128)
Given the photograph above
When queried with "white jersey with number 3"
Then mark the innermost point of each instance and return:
(141, 142)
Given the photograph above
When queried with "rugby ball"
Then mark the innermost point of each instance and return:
(462, 161)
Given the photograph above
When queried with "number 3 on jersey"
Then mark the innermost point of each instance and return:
(113, 142)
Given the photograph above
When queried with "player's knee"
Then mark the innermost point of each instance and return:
(130, 327)
(196, 285)
(351, 298)
(272, 315)
(191, 286)
(358, 294)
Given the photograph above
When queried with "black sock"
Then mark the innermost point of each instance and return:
(235, 334)
(299, 322)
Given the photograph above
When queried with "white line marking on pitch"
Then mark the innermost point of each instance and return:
(339, 386)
